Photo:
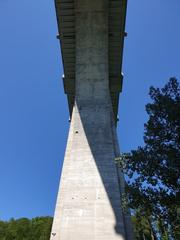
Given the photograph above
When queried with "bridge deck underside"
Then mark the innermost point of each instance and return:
(65, 10)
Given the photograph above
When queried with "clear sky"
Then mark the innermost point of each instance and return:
(33, 108)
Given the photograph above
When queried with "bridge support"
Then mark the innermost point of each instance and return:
(89, 199)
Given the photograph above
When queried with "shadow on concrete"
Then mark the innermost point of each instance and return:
(99, 127)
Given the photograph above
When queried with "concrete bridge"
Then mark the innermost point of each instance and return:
(88, 205)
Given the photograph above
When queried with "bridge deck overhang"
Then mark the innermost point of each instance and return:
(65, 10)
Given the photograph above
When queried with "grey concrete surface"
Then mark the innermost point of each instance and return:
(89, 199)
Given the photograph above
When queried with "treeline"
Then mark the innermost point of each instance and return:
(26, 229)
(153, 170)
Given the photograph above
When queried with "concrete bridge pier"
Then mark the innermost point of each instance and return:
(89, 200)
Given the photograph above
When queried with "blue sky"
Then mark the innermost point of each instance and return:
(33, 108)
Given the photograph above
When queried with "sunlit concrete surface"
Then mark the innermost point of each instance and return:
(89, 199)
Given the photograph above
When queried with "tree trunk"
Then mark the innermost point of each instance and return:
(153, 233)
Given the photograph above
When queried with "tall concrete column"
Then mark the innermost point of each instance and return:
(89, 199)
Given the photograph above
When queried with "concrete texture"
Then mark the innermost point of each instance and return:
(89, 200)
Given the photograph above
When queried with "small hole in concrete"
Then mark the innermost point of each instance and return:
(76, 131)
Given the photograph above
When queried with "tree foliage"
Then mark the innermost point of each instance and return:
(153, 169)
(24, 229)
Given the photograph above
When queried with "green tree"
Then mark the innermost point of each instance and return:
(38, 228)
(41, 228)
(153, 169)
(3, 229)
(142, 227)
